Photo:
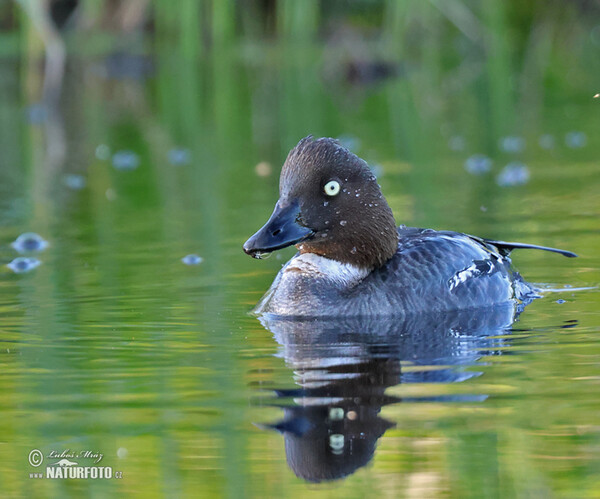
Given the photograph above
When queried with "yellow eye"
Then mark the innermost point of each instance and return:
(332, 188)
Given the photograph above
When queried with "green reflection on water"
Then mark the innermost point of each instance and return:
(114, 345)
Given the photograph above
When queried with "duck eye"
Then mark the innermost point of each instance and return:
(332, 188)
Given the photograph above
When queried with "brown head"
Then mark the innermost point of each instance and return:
(329, 204)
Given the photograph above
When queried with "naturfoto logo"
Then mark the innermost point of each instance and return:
(69, 465)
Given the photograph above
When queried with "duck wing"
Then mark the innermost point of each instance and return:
(504, 247)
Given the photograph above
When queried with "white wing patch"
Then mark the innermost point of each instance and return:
(477, 269)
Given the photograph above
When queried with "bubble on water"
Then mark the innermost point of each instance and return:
(511, 143)
(179, 156)
(22, 264)
(343, 223)
(74, 181)
(457, 143)
(29, 241)
(575, 140)
(560, 301)
(103, 152)
(125, 160)
(478, 164)
(514, 173)
(192, 259)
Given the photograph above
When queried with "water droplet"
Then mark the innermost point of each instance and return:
(343, 223)
(103, 152)
(125, 160)
(336, 442)
(21, 264)
(325, 203)
(261, 255)
(192, 259)
(122, 453)
(74, 181)
(514, 173)
(353, 250)
(336, 413)
(179, 156)
(29, 241)
(478, 164)
(576, 140)
(512, 144)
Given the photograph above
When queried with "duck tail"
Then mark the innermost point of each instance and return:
(505, 248)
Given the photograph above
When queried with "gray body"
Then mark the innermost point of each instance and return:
(432, 271)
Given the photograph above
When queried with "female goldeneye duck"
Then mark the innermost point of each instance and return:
(352, 258)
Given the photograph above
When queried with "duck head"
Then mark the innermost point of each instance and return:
(329, 204)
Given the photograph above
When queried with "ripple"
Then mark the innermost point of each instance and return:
(125, 160)
(103, 152)
(511, 143)
(179, 156)
(22, 264)
(514, 173)
(192, 259)
(29, 241)
(478, 164)
(575, 140)
(74, 181)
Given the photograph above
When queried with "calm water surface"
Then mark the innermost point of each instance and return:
(114, 345)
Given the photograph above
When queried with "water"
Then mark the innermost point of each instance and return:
(112, 345)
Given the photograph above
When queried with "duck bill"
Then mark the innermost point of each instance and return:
(280, 231)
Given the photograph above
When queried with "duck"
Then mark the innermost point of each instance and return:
(353, 260)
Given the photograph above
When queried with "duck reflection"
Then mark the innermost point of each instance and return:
(343, 368)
